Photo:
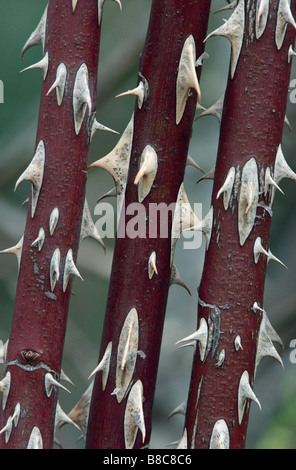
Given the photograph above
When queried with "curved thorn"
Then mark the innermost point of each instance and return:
(187, 78)
(59, 83)
(50, 382)
(34, 174)
(37, 38)
(42, 64)
(54, 271)
(104, 366)
(15, 250)
(139, 91)
(81, 97)
(152, 265)
(245, 393)
(40, 239)
(70, 269)
(233, 30)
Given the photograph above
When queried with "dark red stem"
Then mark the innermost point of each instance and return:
(171, 23)
(40, 314)
(251, 127)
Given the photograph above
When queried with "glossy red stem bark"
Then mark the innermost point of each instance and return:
(39, 322)
(171, 22)
(252, 125)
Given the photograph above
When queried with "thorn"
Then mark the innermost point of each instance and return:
(214, 110)
(187, 78)
(191, 162)
(264, 345)
(42, 64)
(152, 265)
(7, 429)
(248, 200)
(79, 414)
(100, 9)
(69, 269)
(81, 97)
(16, 414)
(245, 392)
(221, 358)
(183, 218)
(266, 208)
(230, 6)
(287, 122)
(104, 366)
(15, 250)
(220, 436)
(270, 256)
(201, 58)
(238, 343)
(37, 38)
(139, 91)
(50, 382)
(208, 176)
(261, 17)
(111, 193)
(93, 125)
(35, 440)
(227, 187)
(181, 409)
(282, 169)
(34, 173)
(269, 181)
(147, 172)
(26, 201)
(62, 418)
(59, 83)
(284, 17)
(291, 54)
(200, 335)
(55, 268)
(39, 240)
(88, 228)
(117, 161)
(258, 249)
(176, 278)
(274, 337)
(127, 353)
(199, 107)
(233, 30)
(205, 226)
(65, 378)
(5, 388)
(53, 220)
(134, 415)
(256, 307)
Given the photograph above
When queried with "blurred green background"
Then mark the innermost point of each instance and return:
(122, 39)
